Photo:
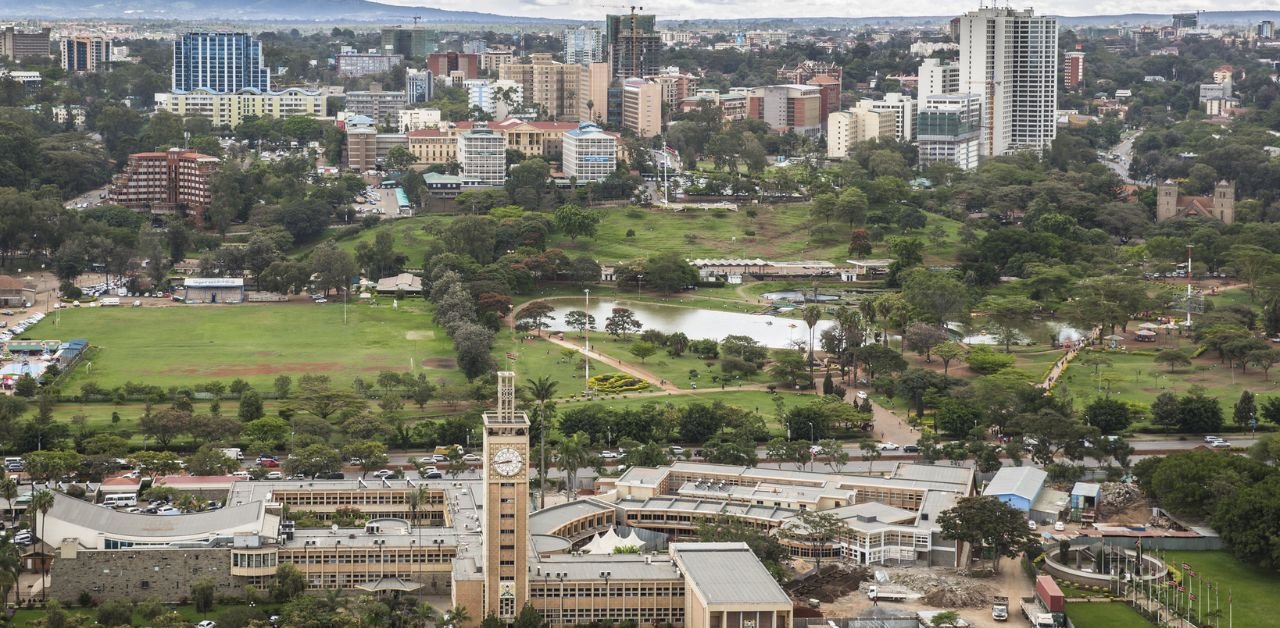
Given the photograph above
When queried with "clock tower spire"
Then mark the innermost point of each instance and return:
(506, 504)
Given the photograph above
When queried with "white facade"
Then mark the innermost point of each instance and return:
(938, 77)
(483, 155)
(846, 128)
(496, 98)
(583, 45)
(949, 129)
(1011, 58)
(901, 107)
(414, 119)
(230, 110)
(589, 154)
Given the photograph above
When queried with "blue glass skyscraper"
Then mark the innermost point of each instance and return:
(221, 62)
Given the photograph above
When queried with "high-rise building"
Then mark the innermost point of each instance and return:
(593, 92)
(382, 107)
(85, 54)
(546, 83)
(642, 107)
(361, 64)
(408, 42)
(1266, 29)
(482, 153)
(444, 64)
(937, 77)
(948, 129)
(420, 85)
(901, 107)
(1010, 57)
(846, 128)
(19, 44)
(583, 45)
(634, 45)
(496, 98)
(788, 108)
(1072, 69)
(588, 153)
(474, 46)
(491, 60)
(164, 182)
(224, 63)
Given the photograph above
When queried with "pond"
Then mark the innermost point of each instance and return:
(1052, 329)
(770, 331)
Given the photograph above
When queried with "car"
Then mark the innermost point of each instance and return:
(208, 623)
(861, 395)
(608, 455)
(1222, 444)
(273, 475)
(427, 460)
(910, 449)
(355, 462)
(439, 458)
(269, 463)
(470, 458)
(1059, 526)
(322, 300)
(677, 450)
(1031, 525)
(1212, 439)
(434, 475)
(815, 449)
(698, 453)
(887, 446)
(428, 469)
(383, 473)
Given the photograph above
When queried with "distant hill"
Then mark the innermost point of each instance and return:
(249, 10)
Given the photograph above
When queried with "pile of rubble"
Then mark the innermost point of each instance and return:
(832, 581)
(946, 591)
(1117, 496)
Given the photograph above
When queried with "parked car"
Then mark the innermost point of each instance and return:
(1059, 526)
(677, 450)
(335, 475)
(887, 446)
(861, 395)
(910, 449)
(269, 463)
(1212, 439)
(1031, 525)
(470, 458)
(274, 475)
(433, 475)
(208, 623)
(383, 473)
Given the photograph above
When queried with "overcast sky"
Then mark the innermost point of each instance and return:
(730, 9)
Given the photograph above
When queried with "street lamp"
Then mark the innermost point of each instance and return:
(639, 282)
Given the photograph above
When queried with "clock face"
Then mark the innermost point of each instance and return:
(508, 462)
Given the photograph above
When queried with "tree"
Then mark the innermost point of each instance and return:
(1252, 263)
(164, 426)
(811, 314)
(211, 461)
(984, 361)
(1245, 411)
(332, 268)
(571, 455)
(41, 502)
(535, 313)
(987, 523)
(473, 344)
(1108, 415)
(399, 159)
(156, 463)
(313, 460)
(288, 584)
(669, 272)
(316, 397)
(1008, 316)
(817, 530)
(372, 455)
(957, 417)
(788, 368)
(621, 323)
(946, 619)
(938, 298)
(580, 320)
(202, 595)
(9, 491)
(1198, 413)
(526, 183)
(922, 338)
(573, 221)
(949, 351)
(1172, 358)
(642, 349)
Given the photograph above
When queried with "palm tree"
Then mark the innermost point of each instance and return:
(10, 566)
(423, 614)
(417, 498)
(188, 502)
(9, 491)
(811, 315)
(574, 454)
(42, 501)
(543, 389)
(457, 617)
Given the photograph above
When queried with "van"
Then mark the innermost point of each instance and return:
(444, 450)
(12, 460)
(241, 475)
(116, 501)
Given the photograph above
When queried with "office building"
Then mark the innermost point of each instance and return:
(901, 107)
(414, 119)
(474, 46)
(847, 128)
(171, 182)
(496, 98)
(642, 107)
(18, 44)
(1267, 29)
(409, 42)
(85, 54)
(788, 108)
(546, 84)
(1010, 57)
(948, 129)
(583, 45)
(444, 64)
(482, 153)
(362, 64)
(1072, 69)
(533, 138)
(633, 45)
(937, 76)
(593, 92)
(420, 85)
(589, 154)
(223, 63)
(491, 60)
(676, 85)
(229, 110)
(382, 107)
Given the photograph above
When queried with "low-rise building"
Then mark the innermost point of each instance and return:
(539, 138)
(497, 98)
(170, 182)
(229, 110)
(901, 107)
(589, 154)
(381, 106)
(788, 108)
(733, 105)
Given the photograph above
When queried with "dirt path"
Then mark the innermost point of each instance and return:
(890, 427)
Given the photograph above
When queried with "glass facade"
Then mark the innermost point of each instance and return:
(224, 63)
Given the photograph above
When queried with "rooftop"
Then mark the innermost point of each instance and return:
(112, 522)
(728, 573)
(552, 517)
(1024, 482)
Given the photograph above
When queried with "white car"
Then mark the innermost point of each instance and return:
(470, 458)
(677, 450)
(1059, 526)
(274, 475)
(1212, 439)
(383, 473)
(208, 623)
(887, 446)
(1220, 444)
(608, 455)
(861, 395)
(1031, 525)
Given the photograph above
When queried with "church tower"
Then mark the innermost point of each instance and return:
(1224, 201)
(1166, 201)
(506, 504)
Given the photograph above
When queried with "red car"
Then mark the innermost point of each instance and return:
(269, 463)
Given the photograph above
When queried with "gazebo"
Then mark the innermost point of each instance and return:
(390, 585)
(1145, 335)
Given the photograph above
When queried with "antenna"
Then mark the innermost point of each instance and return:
(415, 19)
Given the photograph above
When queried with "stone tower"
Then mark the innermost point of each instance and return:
(506, 504)
(1166, 201)
(1224, 201)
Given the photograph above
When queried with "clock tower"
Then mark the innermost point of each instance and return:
(506, 504)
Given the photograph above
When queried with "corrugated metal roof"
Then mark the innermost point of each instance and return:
(112, 522)
(550, 518)
(1024, 482)
(728, 573)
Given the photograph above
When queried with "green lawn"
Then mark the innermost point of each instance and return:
(1138, 379)
(536, 357)
(171, 346)
(674, 370)
(1106, 615)
(1251, 588)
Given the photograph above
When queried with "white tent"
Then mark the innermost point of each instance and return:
(608, 542)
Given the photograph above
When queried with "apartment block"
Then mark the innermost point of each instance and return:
(547, 84)
(1072, 69)
(85, 54)
(593, 92)
(444, 64)
(382, 107)
(949, 129)
(414, 119)
(229, 110)
(224, 63)
(733, 105)
(409, 42)
(164, 182)
(937, 77)
(1010, 57)
(642, 107)
(634, 46)
(846, 128)
(583, 45)
(496, 98)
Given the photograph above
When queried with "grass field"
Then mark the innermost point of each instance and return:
(1251, 588)
(537, 357)
(674, 370)
(172, 346)
(1138, 379)
(1105, 615)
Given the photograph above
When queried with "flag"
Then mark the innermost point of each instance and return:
(1191, 573)
(1181, 589)
(1192, 596)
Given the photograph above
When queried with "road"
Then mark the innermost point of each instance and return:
(92, 198)
(1125, 150)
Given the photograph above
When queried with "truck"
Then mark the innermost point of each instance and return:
(233, 453)
(1047, 608)
(879, 594)
(1000, 608)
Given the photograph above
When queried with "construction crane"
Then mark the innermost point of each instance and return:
(415, 20)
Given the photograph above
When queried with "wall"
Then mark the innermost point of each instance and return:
(121, 574)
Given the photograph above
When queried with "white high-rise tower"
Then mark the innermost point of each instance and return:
(1010, 57)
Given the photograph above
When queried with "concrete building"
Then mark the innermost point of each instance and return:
(634, 46)
(211, 290)
(732, 105)
(583, 45)
(533, 138)
(497, 98)
(361, 64)
(676, 85)
(593, 92)
(171, 182)
(846, 128)
(491, 60)
(362, 147)
(937, 76)
(1072, 69)
(414, 119)
(901, 107)
(223, 63)
(419, 85)
(382, 107)
(409, 42)
(229, 110)
(948, 129)
(589, 154)
(787, 108)
(85, 53)
(482, 153)
(1266, 29)
(1221, 206)
(444, 64)
(1011, 58)
(15, 293)
(642, 107)
(547, 84)
(18, 43)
